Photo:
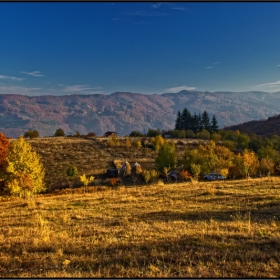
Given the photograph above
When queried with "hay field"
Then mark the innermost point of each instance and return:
(205, 229)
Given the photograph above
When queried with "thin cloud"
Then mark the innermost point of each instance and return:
(10, 78)
(216, 62)
(19, 90)
(34, 73)
(177, 89)
(156, 6)
(209, 67)
(270, 84)
(179, 8)
(81, 89)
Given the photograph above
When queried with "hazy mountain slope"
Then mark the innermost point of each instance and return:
(124, 111)
(266, 128)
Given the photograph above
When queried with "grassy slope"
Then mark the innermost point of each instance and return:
(92, 156)
(209, 229)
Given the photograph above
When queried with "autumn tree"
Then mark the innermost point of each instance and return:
(157, 141)
(247, 162)
(4, 151)
(127, 143)
(267, 165)
(86, 181)
(166, 156)
(25, 172)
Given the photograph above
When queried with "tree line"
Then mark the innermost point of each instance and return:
(186, 121)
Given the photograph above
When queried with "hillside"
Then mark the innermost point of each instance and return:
(267, 128)
(92, 156)
(124, 112)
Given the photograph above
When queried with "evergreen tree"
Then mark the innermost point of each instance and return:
(206, 121)
(195, 124)
(214, 124)
(185, 117)
(200, 125)
(178, 121)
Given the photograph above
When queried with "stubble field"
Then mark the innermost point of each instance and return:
(191, 229)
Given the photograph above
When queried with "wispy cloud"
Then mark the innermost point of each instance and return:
(10, 78)
(216, 62)
(270, 84)
(156, 6)
(209, 67)
(177, 89)
(179, 8)
(34, 73)
(81, 89)
(19, 90)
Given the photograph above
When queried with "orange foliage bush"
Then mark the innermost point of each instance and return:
(114, 181)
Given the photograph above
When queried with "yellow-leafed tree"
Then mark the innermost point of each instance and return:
(25, 172)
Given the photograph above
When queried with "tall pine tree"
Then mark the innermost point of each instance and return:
(178, 123)
(206, 121)
(214, 124)
(186, 117)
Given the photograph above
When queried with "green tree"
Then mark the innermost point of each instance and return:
(206, 121)
(178, 124)
(243, 141)
(166, 156)
(136, 134)
(195, 169)
(153, 132)
(31, 134)
(186, 119)
(203, 134)
(214, 124)
(72, 172)
(59, 132)
(25, 172)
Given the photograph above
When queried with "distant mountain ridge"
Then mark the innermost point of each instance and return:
(125, 111)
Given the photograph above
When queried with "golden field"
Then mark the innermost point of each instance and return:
(190, 229)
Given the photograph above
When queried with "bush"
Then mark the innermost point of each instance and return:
(136, 134)
(59, 132)
(31, 134)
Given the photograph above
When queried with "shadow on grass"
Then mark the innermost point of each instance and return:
(263, 213)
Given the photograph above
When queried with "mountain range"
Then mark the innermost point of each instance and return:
(124, 112)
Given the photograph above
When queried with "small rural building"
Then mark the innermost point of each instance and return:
(110, 134)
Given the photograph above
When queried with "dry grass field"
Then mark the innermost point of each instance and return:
(204, 229)
(92, 156)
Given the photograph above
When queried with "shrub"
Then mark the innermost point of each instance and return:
(59, 132)
(31, 134)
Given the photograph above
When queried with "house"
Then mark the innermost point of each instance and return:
(110, 134)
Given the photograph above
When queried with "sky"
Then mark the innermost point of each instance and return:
(60, 48)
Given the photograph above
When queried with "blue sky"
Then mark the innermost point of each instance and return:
(154, 47)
